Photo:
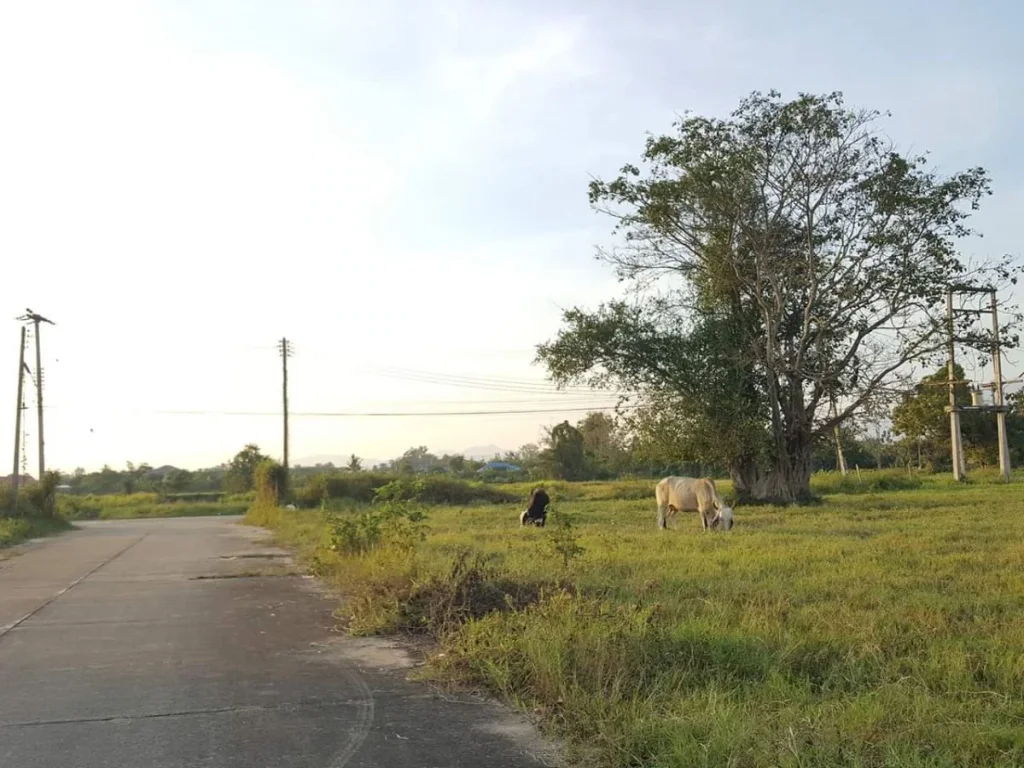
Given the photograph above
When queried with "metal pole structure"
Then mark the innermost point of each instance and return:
(997, 388)
(957, 448)
(17, 417)
(36, 319)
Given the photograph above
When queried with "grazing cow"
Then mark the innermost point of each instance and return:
(692, 495)
(536, 508)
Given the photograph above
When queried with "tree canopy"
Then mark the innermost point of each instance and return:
(241, 474)
(789, 265)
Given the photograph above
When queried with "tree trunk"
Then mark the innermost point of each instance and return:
(745, 476)
(787, 481)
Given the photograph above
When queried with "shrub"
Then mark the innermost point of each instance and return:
(6, 499)
(391, 524)
(872, 481)
(426, 489)
(563, 539)
(271, 481)
(389, 599)
(42, 496)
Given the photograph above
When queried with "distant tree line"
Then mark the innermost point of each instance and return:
(914, 434)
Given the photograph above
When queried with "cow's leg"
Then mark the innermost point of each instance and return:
(704, 519)
(663, 516)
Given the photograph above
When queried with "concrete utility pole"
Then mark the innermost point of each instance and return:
(35, 318)
(999, 406)
(17, 417)
(286, 351)
(997, 390)
(956, 440)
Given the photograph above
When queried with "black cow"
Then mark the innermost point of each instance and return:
(536, 511)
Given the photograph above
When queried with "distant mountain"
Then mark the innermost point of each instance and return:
(482, 452)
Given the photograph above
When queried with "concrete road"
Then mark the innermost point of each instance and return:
(190, 642)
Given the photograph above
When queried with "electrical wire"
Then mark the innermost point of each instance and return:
(487, 384)
(387, 414)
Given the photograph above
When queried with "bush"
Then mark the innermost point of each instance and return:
(432, 489)
(77, 508)
(356, 486)
(14, 530)
(393, 525)
(6, 499)
(388, 599)
(427, 489)
(271, 481)
(869, 481)
(34, 500)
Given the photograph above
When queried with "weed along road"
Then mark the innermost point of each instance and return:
(190, 642)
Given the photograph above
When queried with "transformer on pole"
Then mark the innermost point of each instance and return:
(998, 406)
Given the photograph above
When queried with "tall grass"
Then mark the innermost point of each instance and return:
(125, 506)
(879, 628)
(15, 530)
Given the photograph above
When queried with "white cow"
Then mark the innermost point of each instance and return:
(692, 495)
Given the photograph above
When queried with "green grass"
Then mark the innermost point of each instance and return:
(121, 506)
(15, 530)
(878, 628)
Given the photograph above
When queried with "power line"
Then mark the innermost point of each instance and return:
(386, 414)
(488, 384)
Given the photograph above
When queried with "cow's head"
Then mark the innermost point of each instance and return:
(725, 518)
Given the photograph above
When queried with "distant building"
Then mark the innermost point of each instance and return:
(499, 466)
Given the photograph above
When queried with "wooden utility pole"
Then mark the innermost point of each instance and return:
(17, 417)
(35, 318)
(997, 390)
(286, 351)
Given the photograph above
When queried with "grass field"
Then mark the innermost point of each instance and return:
(879, 628)
(15, 530)
(120, 506)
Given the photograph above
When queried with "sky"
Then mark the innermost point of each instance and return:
(398, 188)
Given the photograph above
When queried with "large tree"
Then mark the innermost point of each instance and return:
(241, 474)
(790, 265)
(564, 455)
(602, 444)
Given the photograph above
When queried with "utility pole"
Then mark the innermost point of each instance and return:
(955, 438)
(35, 318)
(17, 417)
(997, 390)
(999, 406)
(285, 350)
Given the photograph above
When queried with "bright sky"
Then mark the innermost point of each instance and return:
(183, 182)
